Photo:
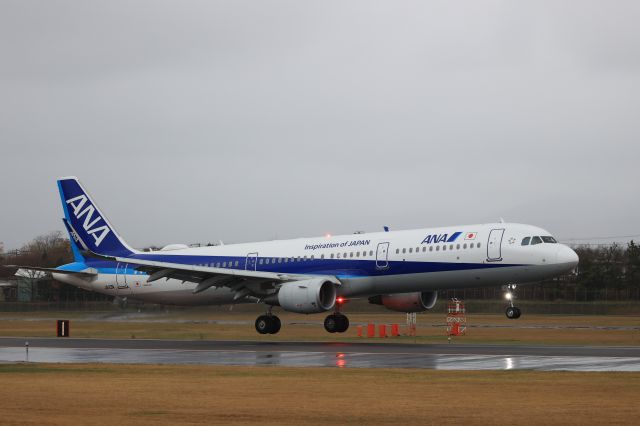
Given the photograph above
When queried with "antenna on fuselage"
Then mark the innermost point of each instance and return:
(501, 220)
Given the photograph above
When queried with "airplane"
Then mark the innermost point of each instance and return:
(400, 270)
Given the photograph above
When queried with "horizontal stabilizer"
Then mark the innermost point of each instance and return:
(37, 272)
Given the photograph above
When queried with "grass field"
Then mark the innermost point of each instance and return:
(121, 394)
(203, 324)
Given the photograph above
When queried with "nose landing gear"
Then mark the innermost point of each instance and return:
(512, 312)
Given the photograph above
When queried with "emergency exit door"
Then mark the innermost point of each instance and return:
(251, 263)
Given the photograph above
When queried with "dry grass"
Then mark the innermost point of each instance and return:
(530, 329)
(112, 394)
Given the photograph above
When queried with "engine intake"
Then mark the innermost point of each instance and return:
(407, 302)
(307, 296)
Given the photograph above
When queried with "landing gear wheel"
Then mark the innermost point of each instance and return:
(276, 324)
(513, 312)
(263, 324)
(344, 323)
(331, 324)
(336, 323)
(268, 324)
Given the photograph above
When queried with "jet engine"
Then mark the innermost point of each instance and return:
(306, 296)
(407, 302)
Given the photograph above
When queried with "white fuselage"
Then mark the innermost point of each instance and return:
(366, 264)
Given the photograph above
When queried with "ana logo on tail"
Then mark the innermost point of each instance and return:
(90, 225)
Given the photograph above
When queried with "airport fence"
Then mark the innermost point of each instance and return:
(549, 293)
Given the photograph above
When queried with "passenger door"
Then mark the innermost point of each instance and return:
(494, 245)
(382, 256)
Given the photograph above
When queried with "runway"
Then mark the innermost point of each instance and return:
(453, 356)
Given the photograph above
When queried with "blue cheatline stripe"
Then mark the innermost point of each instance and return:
(453, 237)
(336, 267)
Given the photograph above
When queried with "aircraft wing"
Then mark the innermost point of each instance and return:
(243, 282)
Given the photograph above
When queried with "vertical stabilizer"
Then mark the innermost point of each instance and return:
(92, 229)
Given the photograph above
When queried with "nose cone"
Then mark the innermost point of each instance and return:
(568, 257)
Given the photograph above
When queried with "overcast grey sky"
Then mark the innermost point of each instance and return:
(250, 120)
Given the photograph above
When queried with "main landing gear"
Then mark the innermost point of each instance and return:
(268, 324)
(512, 312)
(336, 323)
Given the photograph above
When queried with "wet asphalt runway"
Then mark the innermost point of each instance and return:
(453, 356)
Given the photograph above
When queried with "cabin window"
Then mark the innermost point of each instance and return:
(357, 254)
(458, 247)
(525, 241)
(478, 245)
(338, 255)
(424, 249)
(332, 255)
(410, 249)
(437, 248)
(266, 261)
(451, 247)
(536, 240)
(430, 248)
(345, 255)
(397, 251)
(444, 247)
(224, 264)
(464, 246)
(404, 250)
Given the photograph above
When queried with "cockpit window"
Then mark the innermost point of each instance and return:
(549, 240)
(536, 240)
(525, 241)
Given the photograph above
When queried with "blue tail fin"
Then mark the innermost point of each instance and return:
(90, 225)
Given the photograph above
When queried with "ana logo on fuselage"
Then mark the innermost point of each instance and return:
(97, 232)
(440, 238)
